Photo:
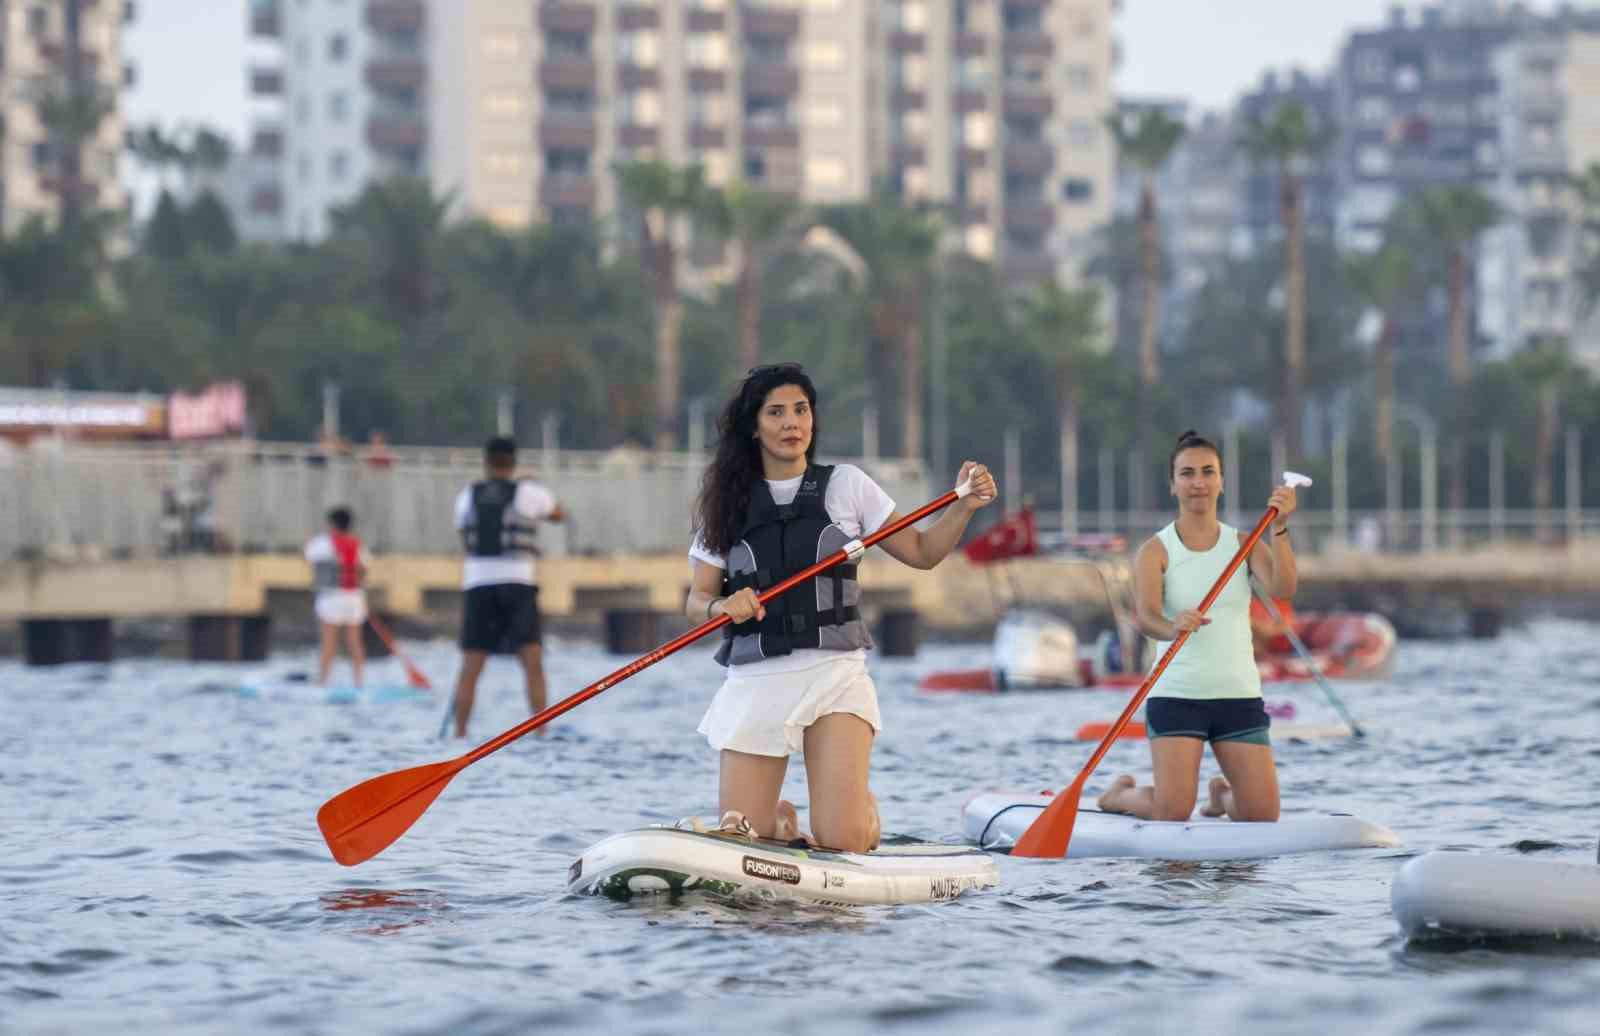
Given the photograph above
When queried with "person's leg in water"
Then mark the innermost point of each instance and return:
(1248, 788)
(330, 647)
(748, 788)
(1175, 762)
(532, 658)
(358, 650)
(844, 813)
(472, 663)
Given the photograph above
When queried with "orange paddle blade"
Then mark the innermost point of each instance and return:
(1095, 731)
(1050, 832)
(363, 821)
(415, 678)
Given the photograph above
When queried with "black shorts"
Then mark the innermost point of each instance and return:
(1213, 719)
(500, 618)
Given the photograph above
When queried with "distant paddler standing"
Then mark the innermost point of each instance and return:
(1211, 691)
(339, 563)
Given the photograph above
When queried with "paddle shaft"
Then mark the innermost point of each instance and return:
(1305, 656)
(1172, 650)
(672, 647)
(413, 674)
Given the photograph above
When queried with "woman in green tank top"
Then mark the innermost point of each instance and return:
(1211, 691)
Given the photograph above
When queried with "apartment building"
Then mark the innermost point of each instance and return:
(35, 70)
(1549, 131)
(522, 110)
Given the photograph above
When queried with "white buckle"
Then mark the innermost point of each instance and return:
(854, 549)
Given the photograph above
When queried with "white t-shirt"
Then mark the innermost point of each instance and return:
(859, 507)
(320, 550)
(533, 503)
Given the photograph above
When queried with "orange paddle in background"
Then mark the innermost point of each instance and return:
(1049, 835)
(414, 675)
(361, 822)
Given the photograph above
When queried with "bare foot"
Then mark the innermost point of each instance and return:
(786, 822)
(1215, 807)
(1108, 801)
(876, 829)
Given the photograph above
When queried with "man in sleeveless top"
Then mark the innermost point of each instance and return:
(339, 563)
(498, 519)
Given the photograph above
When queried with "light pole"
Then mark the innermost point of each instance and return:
(1428, 428)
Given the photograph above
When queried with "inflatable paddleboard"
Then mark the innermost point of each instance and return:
(1468, 895)
(996, 819)
(309, 693)
(670, 861)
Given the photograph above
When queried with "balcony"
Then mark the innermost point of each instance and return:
(1030, 213)
(1034, 43)
(395, 133)
(1027, 265)
(266, 200)
(555, 16)
(908, 153)
(901, 42)
(567, 190)
(267, 143)
(1028, 100)
(776, 133)
(969, 99)
(266, 82)
(704, 137)
(567, 131)
(394, 73)
(1028, 158)
(638, 16)
(905, 99)
(636, 77)
(633, 135)
(707, 79)
(567, 73)
(774, 80)
(705, 19)
(395, 16)
(970, 45)
(264, 21)
(771, 21)
(973, 157)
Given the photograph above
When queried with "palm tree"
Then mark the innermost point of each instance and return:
(1289, 139)
(72, 114)
(1146, 138)
(1451, 217)
(1384, 281)
(1062, 327)
(897, 245)
(1545, 366)
(398, 222)
(1586, 186)
(664, 196)
(760, 223)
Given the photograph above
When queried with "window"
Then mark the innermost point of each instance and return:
(1373, 161)
(1020, 18)
(766, 111)
(826, 173)
(38, 21)
(338, 47)
(1080, 78)
(824, 114)
(755, 166)
(916, 183)
(909, 71)
(1488, 153)
(1541, 136)
(567, 163)
(570, 103)
(1078, 190)
(972, 72)
(1372, 109)
(338, 166)
(908, 15)
(338, 106)
(1407, 78)
(42, 156)
(980, 241)
(709, 110)
(977, 130)
(566, 44)
(707, 50)
(502, 45)
(503, 103)
(824, 54)
(716, 165)
(1083, 134)
(640, 108)
(1372, 66)
(638, 48)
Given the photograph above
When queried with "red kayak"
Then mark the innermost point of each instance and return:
(1344, 645)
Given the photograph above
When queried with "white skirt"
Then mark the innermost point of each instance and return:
(342, 607)
(768, 715)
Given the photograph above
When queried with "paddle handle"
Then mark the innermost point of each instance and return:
(413, 674)
(849, 552)
(1172, 649)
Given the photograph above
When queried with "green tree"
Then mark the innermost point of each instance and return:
(1062, 328)
(395, 226)
(758, 222)
(1289, 139)
(1384, 280)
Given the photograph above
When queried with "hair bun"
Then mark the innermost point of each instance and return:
(1186, 436)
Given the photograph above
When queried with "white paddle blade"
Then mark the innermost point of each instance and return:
(1295, 480)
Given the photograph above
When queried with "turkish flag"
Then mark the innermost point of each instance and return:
(1017, 536)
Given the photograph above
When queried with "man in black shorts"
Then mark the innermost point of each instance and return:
(498, 518)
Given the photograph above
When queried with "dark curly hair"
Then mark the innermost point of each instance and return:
(1191, 440)
(728, 481)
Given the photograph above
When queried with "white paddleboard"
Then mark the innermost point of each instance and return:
(310, 694)
(670, 861)
(1481, 895)
(996, 819)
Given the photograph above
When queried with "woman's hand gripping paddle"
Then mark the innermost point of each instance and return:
(413, 675)
(1049, 835)
(361, 822)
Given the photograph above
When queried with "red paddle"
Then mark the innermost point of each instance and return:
(413, 674)
(1052, 831)
(361, 822)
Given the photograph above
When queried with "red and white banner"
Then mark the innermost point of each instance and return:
(1015, 537)
(218, 410)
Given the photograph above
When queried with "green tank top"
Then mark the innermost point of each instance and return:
(1218, 660)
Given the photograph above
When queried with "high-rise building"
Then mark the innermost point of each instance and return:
(1527, 280)
(520, 111)
(37, 71)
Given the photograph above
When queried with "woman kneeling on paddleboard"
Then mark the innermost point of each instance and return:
(1211, 691)
(797, 667)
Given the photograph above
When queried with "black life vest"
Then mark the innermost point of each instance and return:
(494, 528)
(775, 543)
